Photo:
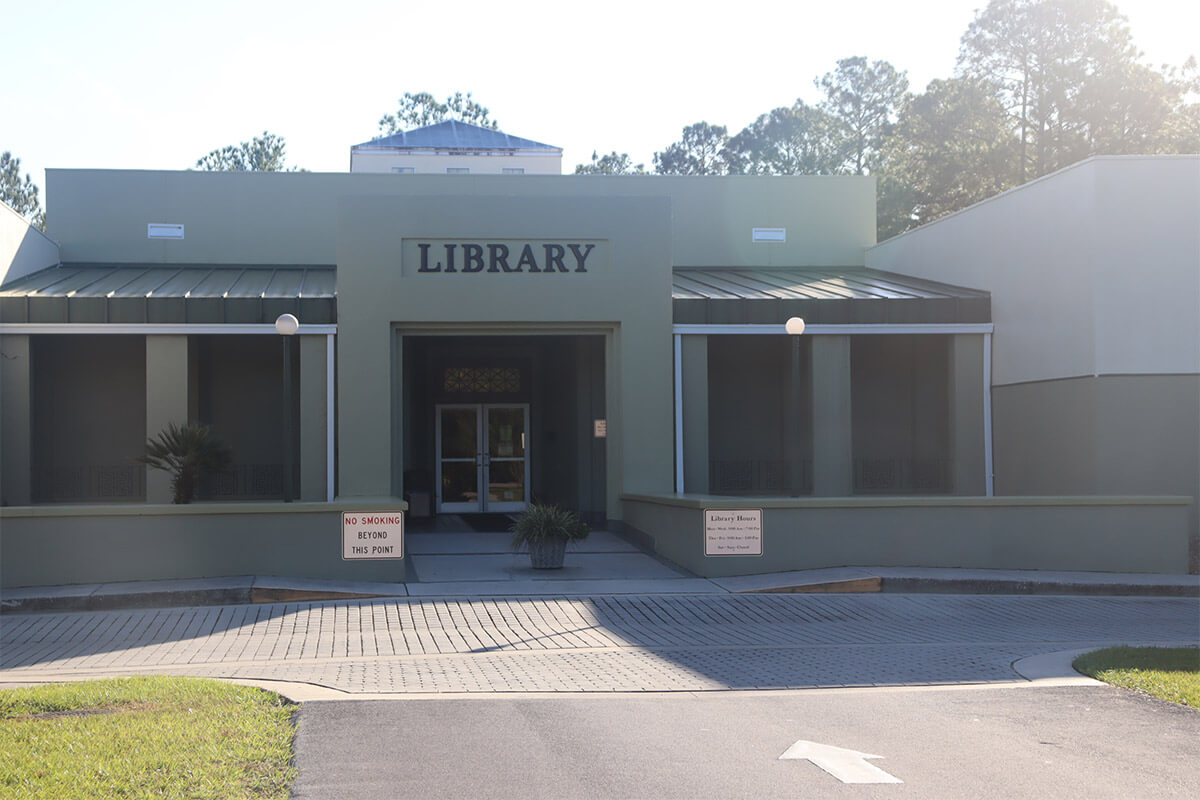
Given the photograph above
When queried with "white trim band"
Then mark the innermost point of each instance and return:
(679, 484)
(153, 329)
(837, 330)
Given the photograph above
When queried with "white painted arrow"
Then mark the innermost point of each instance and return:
(848, 766)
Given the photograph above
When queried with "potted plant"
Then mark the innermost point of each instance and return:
(183, 451)
(545, 531)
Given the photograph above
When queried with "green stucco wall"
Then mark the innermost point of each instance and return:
(49, 546)
(624, 295)
(1111, 534)
(1120, 434)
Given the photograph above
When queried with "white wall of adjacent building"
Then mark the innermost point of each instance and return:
(1093, 270)
(441, 162)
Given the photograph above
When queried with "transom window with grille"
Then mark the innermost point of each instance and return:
(481, 380)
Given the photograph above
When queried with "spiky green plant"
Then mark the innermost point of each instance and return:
(184, 451)
(540, 522)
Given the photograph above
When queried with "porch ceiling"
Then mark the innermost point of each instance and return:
(171, 293)
(822, 296)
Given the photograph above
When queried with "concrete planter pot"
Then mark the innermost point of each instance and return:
(548, 553)
(544, 531)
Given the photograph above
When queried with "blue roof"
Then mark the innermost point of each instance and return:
(456, 135)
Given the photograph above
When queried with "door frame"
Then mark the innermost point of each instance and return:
(483, 460)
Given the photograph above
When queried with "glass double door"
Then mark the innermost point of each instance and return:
(483, 465)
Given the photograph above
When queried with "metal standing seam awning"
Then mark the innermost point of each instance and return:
(171, 294)
(822, 296)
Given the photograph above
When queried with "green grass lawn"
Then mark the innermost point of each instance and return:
(1168, 673)
(145, 737)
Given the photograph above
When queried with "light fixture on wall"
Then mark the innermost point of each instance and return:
(794, 327)
(286, 325)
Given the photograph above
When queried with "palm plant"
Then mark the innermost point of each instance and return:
(184, 451)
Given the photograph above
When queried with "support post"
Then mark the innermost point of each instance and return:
(167, 397)
(16, 421)
(833, 445)
(313, 417)
(967, 423)
(695, 413)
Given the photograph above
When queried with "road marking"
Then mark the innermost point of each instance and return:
(848, 766)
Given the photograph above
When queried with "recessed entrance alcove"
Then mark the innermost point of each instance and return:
(492, 423)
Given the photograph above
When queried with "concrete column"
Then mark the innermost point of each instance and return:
(167, 396)
(695, 414)
(313, 418)
(16, 422)
(833, 447)
(965, 383)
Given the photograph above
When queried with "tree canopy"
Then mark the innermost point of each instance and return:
(862, 98)
(20, 195)
(1039, 85)
(700, 151)
(261, 154)
(612, 164)
(790, 140)
(422, 108)
(1069, 77)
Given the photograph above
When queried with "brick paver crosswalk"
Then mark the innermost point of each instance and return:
(612, 643)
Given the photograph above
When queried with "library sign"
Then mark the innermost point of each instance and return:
(733, 532)
(372, 535)
(505, 257)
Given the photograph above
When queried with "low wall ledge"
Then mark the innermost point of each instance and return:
(202, 509)
(701, 501)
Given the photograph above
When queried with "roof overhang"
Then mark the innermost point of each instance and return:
(821, 296)
(180, 294)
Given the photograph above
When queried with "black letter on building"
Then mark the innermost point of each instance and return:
(580, 257)
(527, 258)
(498, 257)
(472, 258)
(425, 260)
(554, 257)
(450, 258)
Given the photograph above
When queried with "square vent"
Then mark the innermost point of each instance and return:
(164, 230)
(776, 235)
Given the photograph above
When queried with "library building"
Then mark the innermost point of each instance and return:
(1014, 386)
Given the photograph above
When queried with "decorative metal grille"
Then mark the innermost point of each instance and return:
(901, 476)
(82, 484)
(243, 482)
(756, 477)
(482, 380)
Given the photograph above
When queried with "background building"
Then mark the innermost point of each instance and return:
(455, 148)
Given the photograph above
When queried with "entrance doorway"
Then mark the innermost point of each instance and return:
(482, 461)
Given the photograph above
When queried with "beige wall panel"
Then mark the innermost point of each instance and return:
(1094, 269)
(23, 248)
(1031, 248)
(1147, 270)
(282, 218)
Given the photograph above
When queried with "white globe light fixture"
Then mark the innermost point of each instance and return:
(794, 326)
(287, 325)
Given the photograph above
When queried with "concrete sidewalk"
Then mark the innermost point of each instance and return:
(502, 576)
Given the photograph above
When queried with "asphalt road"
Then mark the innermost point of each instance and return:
(952, 742)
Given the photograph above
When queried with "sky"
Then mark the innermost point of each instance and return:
(146, 84)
